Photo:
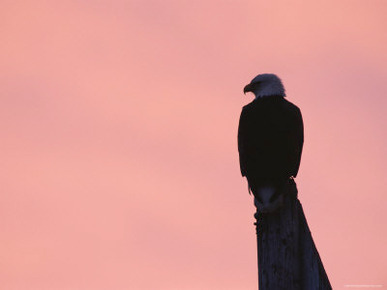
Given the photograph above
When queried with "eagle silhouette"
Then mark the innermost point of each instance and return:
(270, 134)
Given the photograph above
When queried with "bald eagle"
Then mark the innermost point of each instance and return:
(270, 134)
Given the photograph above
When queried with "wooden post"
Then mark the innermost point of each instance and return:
(286, 254)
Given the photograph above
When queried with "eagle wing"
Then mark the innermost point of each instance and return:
(298, 142)
(242, 142)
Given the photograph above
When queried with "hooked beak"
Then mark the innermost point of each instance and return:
(247, 88)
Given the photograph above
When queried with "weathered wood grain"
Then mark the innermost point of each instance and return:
(287, 256)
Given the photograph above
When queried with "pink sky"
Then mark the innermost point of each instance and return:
(118, 139)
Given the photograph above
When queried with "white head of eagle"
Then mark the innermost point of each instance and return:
(264, 85)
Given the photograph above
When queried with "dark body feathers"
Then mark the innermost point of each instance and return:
(270, 140)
